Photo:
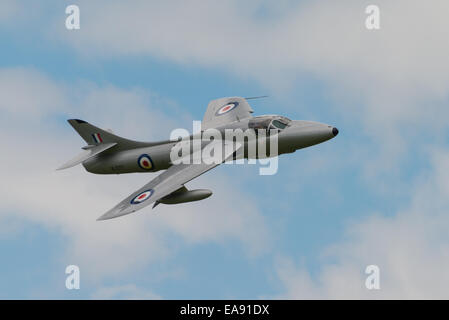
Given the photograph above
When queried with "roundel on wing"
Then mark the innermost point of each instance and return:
(141, 197)
(145, 162)
(226, 108)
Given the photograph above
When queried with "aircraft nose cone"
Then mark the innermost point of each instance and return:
(335, 131)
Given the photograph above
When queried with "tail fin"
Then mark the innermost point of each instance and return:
(91, 134)
(98, 141)
(95, 136)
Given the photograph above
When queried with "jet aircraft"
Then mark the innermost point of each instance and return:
(107, 153)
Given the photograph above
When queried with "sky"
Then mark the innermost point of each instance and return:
(377, 194)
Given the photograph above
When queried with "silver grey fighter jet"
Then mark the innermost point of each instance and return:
(107, 153)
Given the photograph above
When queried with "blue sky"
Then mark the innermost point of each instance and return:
(366, 197)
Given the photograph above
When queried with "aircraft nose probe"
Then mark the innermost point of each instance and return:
(335, 131)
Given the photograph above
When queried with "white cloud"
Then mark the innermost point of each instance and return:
(392, 81)
(411, 249)
(391, 78)
(70, 201)
(28, 93)
(327, 38)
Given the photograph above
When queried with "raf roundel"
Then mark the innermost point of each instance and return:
(145, 162)
(141, 197)
(226, 108)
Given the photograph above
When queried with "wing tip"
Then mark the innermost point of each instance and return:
(109, 215)
(114, 213)
(105, 216)
(63, 167)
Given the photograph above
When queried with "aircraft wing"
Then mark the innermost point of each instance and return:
(167, 182)
(225, 110)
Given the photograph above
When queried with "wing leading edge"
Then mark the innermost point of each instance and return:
(167, 182)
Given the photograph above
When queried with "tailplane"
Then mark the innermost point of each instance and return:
(89, 152)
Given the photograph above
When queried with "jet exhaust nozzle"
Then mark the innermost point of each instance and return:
(184, 195)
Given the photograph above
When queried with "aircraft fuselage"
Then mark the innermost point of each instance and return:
(296, 135)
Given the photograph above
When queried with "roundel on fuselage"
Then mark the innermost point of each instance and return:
(226, 108)
(145, 162)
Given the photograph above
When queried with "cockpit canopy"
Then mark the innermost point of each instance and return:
(269, 122)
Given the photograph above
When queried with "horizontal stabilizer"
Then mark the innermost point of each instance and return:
(87, 153)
